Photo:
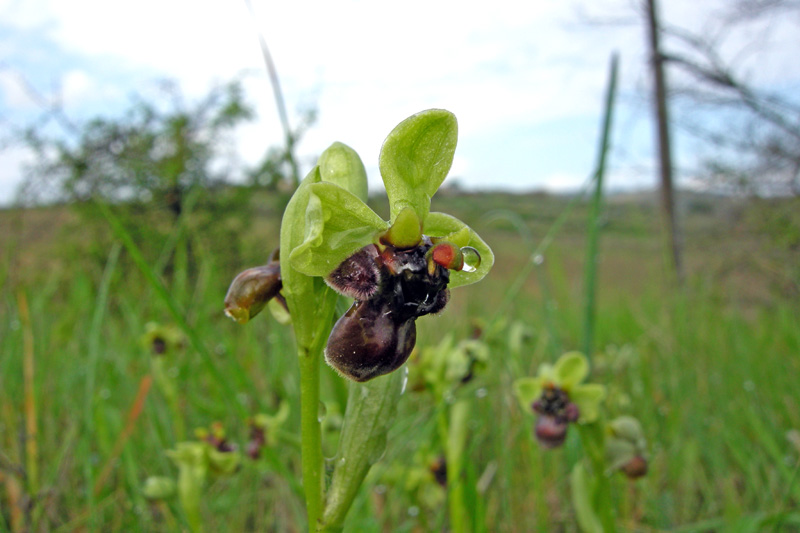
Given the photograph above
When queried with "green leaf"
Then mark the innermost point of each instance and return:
(570, 369)
(451, 229)
(527, 390)
(337, 224)
(341, 165)
(588, 398)
(371, 407)
(415, 159)
(582, 491)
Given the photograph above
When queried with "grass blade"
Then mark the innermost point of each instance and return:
(590, 278)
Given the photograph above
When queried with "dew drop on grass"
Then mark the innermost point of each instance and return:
(481, 393)
(538, 259)
(405, 380)
(413, 511)
(472, 259)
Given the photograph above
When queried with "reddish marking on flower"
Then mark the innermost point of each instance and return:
(444, 255)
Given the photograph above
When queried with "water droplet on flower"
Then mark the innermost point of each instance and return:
(472, 259)
(321, 412)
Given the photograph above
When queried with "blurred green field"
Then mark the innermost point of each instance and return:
(710, 369)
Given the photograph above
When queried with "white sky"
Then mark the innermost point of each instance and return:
(525, 79)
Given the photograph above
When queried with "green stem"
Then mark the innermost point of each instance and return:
(309, 351)
(311, 445)
(456, 441)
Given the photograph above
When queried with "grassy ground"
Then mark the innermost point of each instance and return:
(711, 371)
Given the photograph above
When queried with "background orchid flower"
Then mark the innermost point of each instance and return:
(558, 395)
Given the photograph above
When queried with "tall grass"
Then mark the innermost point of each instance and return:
(712, 379)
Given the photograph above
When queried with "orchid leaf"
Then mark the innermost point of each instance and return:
(415, 159)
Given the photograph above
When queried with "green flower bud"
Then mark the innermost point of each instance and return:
(158, 488)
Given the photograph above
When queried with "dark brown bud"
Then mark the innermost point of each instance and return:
(251, 290)
(551, 432)
(635, 468)
(370, 340)
(439, 470)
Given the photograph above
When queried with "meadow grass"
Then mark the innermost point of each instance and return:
(710, 369)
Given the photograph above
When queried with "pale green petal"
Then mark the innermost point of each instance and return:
(571, 369)
(588, 399)
(451, 229)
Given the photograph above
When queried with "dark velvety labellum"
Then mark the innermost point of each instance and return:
(392, 288)
(368, 341)
(550, 431)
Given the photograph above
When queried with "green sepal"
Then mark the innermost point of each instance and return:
(588, 398)
(415, 159)
(527, 390)
(341, 165)
(337, 224)
(451, 229)
(303, 293)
